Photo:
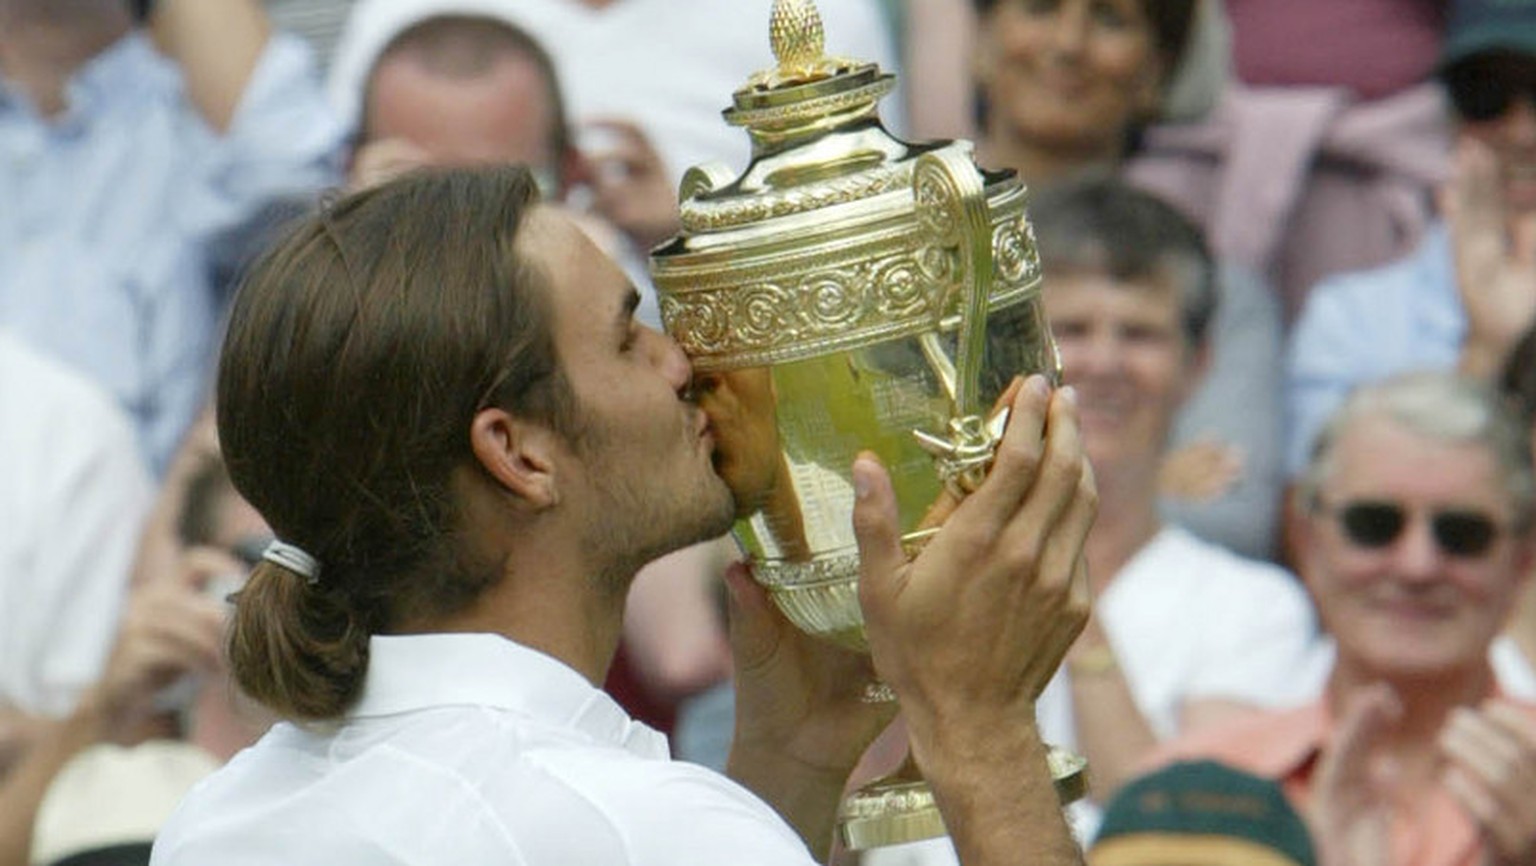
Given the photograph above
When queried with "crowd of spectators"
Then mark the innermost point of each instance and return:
(1290, 259)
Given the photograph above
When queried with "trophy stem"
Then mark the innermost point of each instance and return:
(899, 808)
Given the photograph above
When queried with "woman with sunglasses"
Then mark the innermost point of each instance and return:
(1414, 523)
(1462, 298)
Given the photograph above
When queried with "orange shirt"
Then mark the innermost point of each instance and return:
(1428, 830)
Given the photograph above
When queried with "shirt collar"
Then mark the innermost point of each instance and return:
(417, 672)
(1297, 737)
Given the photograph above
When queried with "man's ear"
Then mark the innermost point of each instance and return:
(517, 454)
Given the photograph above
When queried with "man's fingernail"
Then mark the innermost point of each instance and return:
(1069, 394)
(1038, 384)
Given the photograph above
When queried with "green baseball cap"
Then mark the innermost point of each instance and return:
(1201, 813)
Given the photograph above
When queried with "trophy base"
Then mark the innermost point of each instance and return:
(900, 808)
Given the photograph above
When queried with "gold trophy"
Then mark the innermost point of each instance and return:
(849, 291)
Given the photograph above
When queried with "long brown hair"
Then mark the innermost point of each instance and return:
(359, 350)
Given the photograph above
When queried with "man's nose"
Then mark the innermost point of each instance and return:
(673, 362)
(1416, 555)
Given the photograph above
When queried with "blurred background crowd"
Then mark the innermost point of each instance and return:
(1290, 257)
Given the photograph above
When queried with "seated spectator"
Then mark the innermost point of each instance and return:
(453, 89)
(1414, 524)
(1323, 152)
(1464, 295)
(646, 81)
(74, 498)
(143, 174)
(1066, 91)
(1201, 813)
(100, 779)
(449, 89)
(1130, 293)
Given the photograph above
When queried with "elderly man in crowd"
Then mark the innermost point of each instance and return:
(1413, 523)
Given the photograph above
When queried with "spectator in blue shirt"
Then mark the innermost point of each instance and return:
(137, 158)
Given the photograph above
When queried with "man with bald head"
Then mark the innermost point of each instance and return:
(464, 90)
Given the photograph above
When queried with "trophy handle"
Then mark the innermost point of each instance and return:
(952, 211)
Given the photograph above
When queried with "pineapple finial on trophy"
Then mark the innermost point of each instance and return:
(800, 47)
(796, 34)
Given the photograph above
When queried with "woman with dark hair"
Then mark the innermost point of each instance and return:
(1066, 84)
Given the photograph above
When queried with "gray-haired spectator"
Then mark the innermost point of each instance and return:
(1414, 519)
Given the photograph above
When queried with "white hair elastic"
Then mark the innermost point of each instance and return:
(294, 559)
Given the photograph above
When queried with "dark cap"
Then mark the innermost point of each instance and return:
(1480, 26)
(1201, 813)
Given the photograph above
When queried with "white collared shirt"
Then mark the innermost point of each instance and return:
(470, 749)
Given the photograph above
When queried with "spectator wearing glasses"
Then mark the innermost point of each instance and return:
(1463, 297)
(1414, 522)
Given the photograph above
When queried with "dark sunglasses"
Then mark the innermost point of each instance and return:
(1374, 525)
(1483, 89)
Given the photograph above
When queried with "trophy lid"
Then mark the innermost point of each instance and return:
(837, 233)
(809, 93)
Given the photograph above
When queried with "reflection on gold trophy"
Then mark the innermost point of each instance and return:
(849, 291)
